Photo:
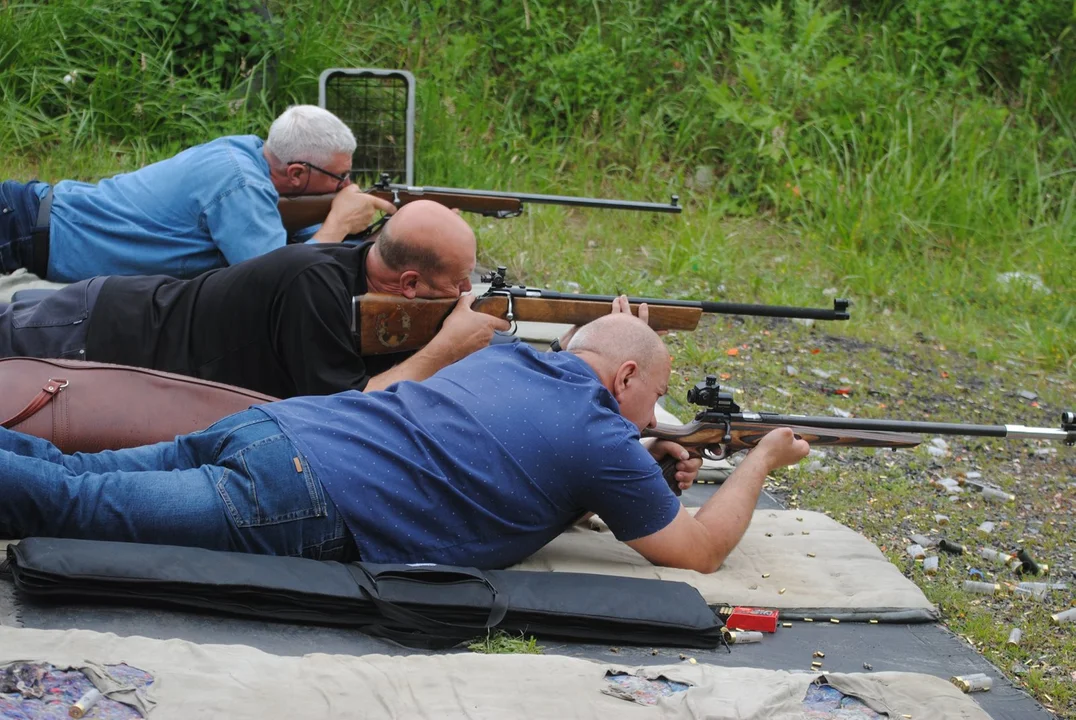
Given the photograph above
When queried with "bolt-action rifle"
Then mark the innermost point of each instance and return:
(721, 429)
(389, 323)
(306, 210)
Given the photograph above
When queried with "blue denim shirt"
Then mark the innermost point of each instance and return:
(209, 206)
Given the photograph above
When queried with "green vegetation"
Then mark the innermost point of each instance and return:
(903, 154)
(501, 643)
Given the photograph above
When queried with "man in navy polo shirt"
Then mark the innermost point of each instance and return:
(207, 207)
(480, 465)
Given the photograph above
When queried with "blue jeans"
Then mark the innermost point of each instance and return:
(238, 485)
(18, 216)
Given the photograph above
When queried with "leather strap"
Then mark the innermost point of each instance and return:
(48, 392)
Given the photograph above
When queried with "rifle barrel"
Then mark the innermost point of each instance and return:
(908, 426)
(839, 311)
(673, 206)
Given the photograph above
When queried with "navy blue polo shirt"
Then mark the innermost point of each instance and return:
(482, 464)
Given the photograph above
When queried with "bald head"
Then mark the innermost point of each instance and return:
(631, 361)
(427, 237)
(618, 338)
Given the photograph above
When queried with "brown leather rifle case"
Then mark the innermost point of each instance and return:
(89, 407)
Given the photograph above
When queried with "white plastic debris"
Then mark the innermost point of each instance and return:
(824, 374)
(986, 528)
(1031, 280)
(839, 413)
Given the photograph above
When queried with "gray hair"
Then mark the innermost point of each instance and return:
(308, 133)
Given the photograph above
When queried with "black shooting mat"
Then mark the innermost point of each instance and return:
(922, 648)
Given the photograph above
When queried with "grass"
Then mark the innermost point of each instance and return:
(499, 642)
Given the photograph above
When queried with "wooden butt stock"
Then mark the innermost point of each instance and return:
(389, 323)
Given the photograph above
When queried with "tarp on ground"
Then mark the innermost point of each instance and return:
(239, 682)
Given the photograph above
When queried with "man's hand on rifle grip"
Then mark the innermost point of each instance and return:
(686, 467)
(351, 212)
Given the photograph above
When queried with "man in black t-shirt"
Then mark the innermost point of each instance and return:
(280, 323)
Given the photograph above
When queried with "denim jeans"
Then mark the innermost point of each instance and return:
(18, 216)
(238, 485)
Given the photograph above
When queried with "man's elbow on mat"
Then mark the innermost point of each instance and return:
(685, 543)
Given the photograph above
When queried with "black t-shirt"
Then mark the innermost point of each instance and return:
(279, 323)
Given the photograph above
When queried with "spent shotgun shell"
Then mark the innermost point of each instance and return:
(997, 495)
(973, 683)
(743, 637)
(942, 520)
(922, 540)
(1014, 636)
(84, 704)
(952, 548)
(930, 565)
(1028, 564)
(917, 551)
(1064, 617)
(997, 556)
(982, 588)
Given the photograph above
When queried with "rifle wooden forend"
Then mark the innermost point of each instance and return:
(745, 435)
(304, 211)
(389, 323)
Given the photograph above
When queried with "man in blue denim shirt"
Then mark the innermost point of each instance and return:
(209, 206)
(480, 466)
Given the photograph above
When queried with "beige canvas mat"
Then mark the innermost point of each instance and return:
(826, 570)
(240, 682)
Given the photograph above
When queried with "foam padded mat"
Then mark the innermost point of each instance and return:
(825, 569)
(239, 682)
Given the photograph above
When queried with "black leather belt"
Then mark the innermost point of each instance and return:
(40, 236)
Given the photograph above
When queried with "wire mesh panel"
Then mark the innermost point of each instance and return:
(379, 107)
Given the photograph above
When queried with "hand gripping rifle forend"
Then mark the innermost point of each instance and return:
(389, 323)
(721, 429)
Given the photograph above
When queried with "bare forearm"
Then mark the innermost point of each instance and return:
(728, 512)
(330, 232)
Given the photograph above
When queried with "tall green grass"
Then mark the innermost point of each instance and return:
(904, 154)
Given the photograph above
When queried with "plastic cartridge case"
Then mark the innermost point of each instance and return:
(1014, 636)
(930, 564)
(982, 588)
(743, 637)
(973, 683)
(1064, 617)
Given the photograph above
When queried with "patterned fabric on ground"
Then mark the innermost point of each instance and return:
(40, 691)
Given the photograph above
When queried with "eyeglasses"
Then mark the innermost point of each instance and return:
(341, 180)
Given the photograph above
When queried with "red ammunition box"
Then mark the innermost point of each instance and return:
(752, 618)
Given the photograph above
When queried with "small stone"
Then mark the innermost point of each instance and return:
(839, 413)
(986, 528)
(790, 370)
(1027, 395)
(824, 374)
(937, 451)
(939, 443)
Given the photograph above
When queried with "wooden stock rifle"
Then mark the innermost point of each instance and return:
(390, 323)
(303, 211)
(721, 429)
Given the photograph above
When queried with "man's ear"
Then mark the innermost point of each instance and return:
(409, 284)
(627, 373)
